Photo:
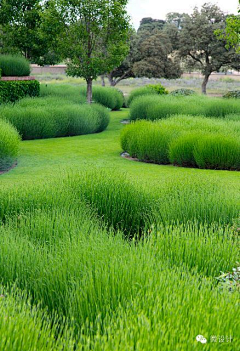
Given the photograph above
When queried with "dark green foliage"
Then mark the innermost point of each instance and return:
(50, 118)
(15, 66)
(182, 92)
(232, 94)
(11, 91)
(9, 145)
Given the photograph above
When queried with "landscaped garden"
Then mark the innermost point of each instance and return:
(119, 209)
(112, 253)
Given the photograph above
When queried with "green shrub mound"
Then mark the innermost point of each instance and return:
(14, 66)
(217, 152)
(109, 97)
(183, 92)
(151, 89)
(11, 91)
(232, 94)
(159, 107)
(55, 118)
(185, 141)
(9, 145)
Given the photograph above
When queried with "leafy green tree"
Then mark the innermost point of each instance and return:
(198, 42)
(156, 56)
(231, 33)
(19, 27)
(92, 35)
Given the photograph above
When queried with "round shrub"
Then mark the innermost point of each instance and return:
(140, 92)
(159, 88)
(232, 94)
(183, 92)
(9, 145)
(63, 91)
(55, 120)
(14, 66)
(217, 152)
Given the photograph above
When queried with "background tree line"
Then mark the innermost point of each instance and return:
(95, 39)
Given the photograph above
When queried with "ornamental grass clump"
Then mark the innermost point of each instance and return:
(9, 145)
(14, 66)
(39, 119)
(185, 141)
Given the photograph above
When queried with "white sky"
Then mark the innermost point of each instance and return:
(158, 9)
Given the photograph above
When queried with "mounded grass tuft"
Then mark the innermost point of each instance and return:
(50, 118)
(14, 66)
(9, 145)
(159, 107)
(185, 141)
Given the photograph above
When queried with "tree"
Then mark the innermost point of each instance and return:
(156, 56)
(198, 42)
(92, 36)
(231, 33)
(19, 26)
(125, 70)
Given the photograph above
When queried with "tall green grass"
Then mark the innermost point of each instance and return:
(9, 145)
(64, 243)
(143, 91)
(109, 97)
(28, 328)
(159, 107)
(50, 118)
(14, 66)
(185, 141)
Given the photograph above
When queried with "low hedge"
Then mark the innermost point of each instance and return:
(11, 91)
(155, 107)
(151, 89)
(15, 66)
(55, 119)
(9, 145)
(185, 141)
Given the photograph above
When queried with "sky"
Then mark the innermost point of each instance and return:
(158, 9)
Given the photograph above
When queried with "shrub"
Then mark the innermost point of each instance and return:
(63, 91)
(217, 152)
(52, 120)
(233, 94)
(159, 88)
(143, 91)
(106, 96)
(140, 106)
(158, 107)
(181, 150)
(14, 66)
(9, 145)
(180, 140)
(183, 92)
(11, 91)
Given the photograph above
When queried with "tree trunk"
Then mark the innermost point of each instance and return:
(111, 81)
(89, 90)
(204, 83)
(103, 81)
